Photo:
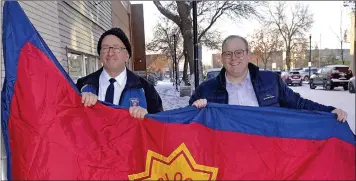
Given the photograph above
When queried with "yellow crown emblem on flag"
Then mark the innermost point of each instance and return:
(179, 165)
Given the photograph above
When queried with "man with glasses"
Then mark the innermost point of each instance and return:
(114, 83)
(241, 83)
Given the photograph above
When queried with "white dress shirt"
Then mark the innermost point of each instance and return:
(119, 85)
(241, 94)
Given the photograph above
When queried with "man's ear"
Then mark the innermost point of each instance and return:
(127, 61)
(101, 62)
(127, 57)
(249, 56)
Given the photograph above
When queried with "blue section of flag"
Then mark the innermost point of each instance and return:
(263, 121)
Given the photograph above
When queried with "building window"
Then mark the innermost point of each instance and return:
(75, 64)
(81, 64)
(91, 64)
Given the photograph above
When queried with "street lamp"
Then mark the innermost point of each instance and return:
(173, 62)
(175, 59)
(195, 40)
(310, 52)
(173, 68)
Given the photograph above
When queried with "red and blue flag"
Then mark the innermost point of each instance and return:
(50, 135)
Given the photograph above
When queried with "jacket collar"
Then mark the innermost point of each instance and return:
(253, 69)
(133, 80)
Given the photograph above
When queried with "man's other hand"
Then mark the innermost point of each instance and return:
(138, 112)
(341, 115)
(89, 99)
(200, 103)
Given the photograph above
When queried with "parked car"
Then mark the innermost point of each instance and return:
(352, 85)
(211, 73)
(305, 72)
(292, 78)
(331, 76)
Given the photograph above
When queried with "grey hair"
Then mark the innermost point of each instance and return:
(235, 37)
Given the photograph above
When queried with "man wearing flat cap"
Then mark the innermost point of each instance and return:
(114, 83)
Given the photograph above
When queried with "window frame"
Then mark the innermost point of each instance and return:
(84, 60)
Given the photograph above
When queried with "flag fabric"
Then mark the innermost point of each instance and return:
(50, 135)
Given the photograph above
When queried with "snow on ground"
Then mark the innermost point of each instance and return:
(170, 96)
(337, 98)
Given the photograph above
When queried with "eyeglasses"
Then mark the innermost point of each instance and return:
(115, 49)
(237, 53)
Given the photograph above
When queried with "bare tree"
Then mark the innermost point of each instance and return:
(290, 27)
(342, 39)
(342, 36)
(299, 53)
(163, 41)
(208, 14)
(264, 43)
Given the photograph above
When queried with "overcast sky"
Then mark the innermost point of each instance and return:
(327, 18)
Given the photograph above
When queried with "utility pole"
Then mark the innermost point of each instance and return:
(195, 40)
(310, 52)
(174, 63)
(172, 73)
(341, 39)
(319, 51)
(342, 54)
(175, 59)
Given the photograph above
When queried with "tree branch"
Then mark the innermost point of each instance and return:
(217, 14)
(167, 13)
(278, 23)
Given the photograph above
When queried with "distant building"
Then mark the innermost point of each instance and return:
(276, 57)
(328, 56)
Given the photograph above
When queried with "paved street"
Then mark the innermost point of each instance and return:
(337, 98)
